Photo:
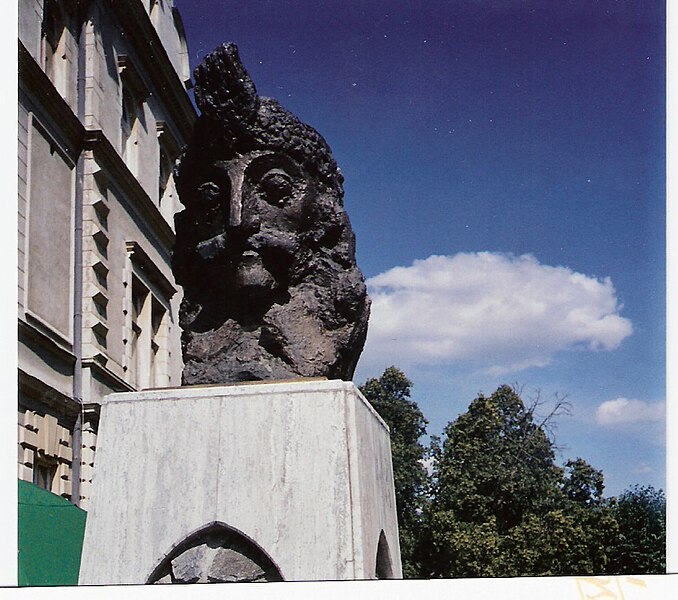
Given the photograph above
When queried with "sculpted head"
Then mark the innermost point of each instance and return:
(264, 250)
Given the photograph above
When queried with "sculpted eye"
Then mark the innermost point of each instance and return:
(209, 193)
(277, 186)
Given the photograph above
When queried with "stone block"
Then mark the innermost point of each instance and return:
(252, 482)
(25, 473)
(65, 453)
(48, 435)
(229, 566)
(64, 436)
(28, 438)
(87, 456)
(89, 439)
(189, 567)
(26, 456)
(31, 420)
(63, 472)
(62, 487)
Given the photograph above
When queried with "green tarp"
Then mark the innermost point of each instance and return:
(51, 530)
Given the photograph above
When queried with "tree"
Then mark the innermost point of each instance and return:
(502, 507)
(390, 397)
(641, 544)
(495, 462)
(572, 540)
(582, 483)
(496, 504)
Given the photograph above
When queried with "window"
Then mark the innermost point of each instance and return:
(52, 30)
(148, 350)
(139, 294)
(158, 316)
(53, 45)
(148, 322)
(130, 138)
(44, 472)
(164, 173)
(168, 150)
(133, 93)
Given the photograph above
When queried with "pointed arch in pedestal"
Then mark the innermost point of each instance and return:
(383, 565)
(215, 553)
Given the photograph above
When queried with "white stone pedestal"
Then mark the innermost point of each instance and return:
(299, 470)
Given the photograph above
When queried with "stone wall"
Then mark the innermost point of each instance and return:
(127, 225)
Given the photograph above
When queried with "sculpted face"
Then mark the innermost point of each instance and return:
(264, 250)
(254, 209)
(269, 209)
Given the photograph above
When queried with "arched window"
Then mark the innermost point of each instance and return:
(384, 567)
(216, 553)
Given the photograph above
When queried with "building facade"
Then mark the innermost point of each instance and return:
(103, 114)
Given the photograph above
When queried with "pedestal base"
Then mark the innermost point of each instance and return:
(248, 482)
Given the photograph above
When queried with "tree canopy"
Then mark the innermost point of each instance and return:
(640, 547)
(500, 498)
(495, 462)
(496, 503)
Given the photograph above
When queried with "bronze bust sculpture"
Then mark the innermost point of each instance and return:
(264, 249)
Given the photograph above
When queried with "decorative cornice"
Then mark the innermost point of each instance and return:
(129, 73)
(110, 378)
(107, 156)
(40, 335)
(43, 93)
(156, 63)
(39, 395)
(150, 269)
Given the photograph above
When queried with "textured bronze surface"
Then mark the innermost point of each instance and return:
(264, 249)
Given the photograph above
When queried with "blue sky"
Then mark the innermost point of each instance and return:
(504, 165)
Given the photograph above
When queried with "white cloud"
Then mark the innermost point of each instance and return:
(642, 468)
(499, 312)
(623, 410)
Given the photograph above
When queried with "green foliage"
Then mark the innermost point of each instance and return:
(582, 483)
(502, 507)
(641, 544)
(498, 505)
(565, 541)
(390, 396)
(459, 549)
(495, 462)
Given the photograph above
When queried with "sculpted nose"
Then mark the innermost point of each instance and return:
(235, 213)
